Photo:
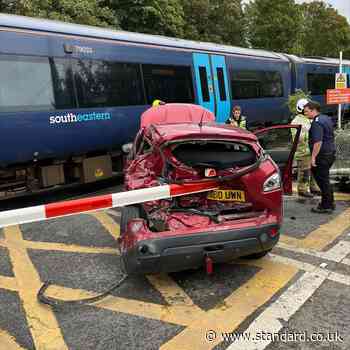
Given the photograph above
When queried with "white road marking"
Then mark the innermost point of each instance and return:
(346, 261)
(336, 253)
(333, 276)
(282, 309)
(114, 213)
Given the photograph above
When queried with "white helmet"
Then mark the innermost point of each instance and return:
(301, 104)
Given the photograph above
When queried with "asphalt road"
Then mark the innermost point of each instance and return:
(297, 297)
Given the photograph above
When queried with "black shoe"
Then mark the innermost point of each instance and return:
(333, 206)
(305, 194)
(321, 210)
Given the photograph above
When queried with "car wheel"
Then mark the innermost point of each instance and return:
(128, 213)
(257, 255)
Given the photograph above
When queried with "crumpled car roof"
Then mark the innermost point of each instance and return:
(176, 113)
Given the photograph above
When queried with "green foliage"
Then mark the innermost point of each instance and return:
(325, 31)
(214, 21)
(294, 98)
(273, 24)
(92, 12)
(163, 17)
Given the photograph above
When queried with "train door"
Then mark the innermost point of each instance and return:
(212, 84)
(223, 104)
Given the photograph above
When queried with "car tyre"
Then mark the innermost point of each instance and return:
(257, 255)
(128, 213)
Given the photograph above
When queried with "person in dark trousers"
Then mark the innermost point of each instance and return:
(322, 148)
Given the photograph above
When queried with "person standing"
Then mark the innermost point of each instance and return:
(306, 183)
(322, 148)
(237, 119)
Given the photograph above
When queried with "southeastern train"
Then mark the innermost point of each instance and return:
(72, 95)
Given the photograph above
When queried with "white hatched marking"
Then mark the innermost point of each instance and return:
(336, 253)
(283, 308)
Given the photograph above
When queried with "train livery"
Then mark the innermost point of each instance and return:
(72, 95)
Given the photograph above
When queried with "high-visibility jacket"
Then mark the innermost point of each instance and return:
(241, 123)
(303, 145)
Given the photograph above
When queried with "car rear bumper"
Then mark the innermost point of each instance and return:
(175, 253)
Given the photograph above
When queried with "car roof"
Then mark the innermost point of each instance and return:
(174, 113)
(171, 132)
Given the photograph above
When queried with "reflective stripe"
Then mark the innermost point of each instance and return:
(22, 216)
(41, 212)
(139, 196)
(78, 206)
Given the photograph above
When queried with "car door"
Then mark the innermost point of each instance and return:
(279, 143)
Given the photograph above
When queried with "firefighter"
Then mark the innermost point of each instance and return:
(306, 184)
(237, 119)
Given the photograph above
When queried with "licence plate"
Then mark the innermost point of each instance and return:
(227, 195)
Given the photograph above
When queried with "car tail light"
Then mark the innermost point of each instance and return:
(272, 183)
(273, 232)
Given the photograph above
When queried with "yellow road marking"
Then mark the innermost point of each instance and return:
(68, 248)
(170, 290)
(107, 222)
(227, 316)
(322, 236)
(8, 342)
(8, 283)
(180, 304)
(182, 316)
(41, 320)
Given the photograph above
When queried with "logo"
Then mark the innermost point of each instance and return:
(99, 173)
(79, 118)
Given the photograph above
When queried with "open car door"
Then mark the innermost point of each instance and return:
(279, 143)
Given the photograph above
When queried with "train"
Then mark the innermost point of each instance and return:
(72, 95)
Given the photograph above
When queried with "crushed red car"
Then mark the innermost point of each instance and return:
(180, 144)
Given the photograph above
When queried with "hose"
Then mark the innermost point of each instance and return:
(42, 298)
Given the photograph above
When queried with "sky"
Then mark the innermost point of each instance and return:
(343, 6)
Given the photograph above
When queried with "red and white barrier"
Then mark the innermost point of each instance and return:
(53, 210)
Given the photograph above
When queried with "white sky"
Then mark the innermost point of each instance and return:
(343, 6)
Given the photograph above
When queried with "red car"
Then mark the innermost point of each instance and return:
(181, 143)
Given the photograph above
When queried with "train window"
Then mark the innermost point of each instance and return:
(204, 83)
(26, 84)
(221, 81)
(168, 83)
(107, 84)
(318, 83)
(62, 83)
(256, 84)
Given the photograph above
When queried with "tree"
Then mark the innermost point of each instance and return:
(92, 12)
(163, 17)
(273, 24)
(325, 32)
(214, 20)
